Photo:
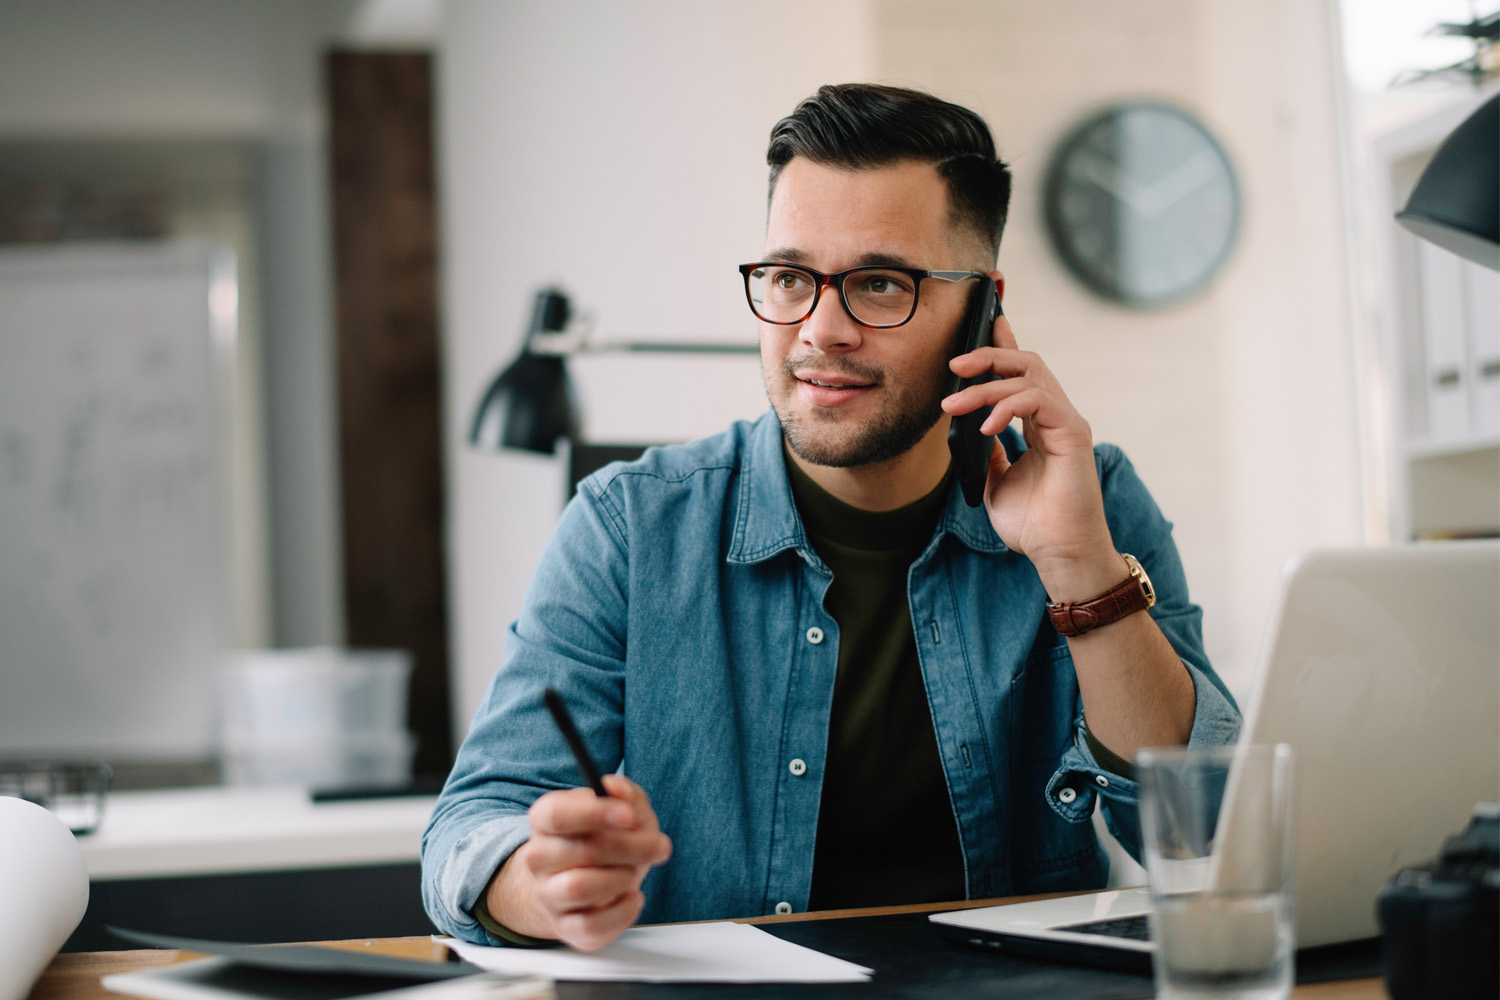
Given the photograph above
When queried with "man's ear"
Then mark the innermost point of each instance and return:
(999, 284)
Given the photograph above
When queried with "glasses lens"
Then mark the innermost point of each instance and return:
(781, 294)
(880, 298)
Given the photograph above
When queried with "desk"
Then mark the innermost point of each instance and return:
(76, 976)
(215, 831)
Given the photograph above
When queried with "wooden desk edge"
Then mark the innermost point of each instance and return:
(75, 976)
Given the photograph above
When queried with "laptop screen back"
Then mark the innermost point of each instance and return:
(1383, 672)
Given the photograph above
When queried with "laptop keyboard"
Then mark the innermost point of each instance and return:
(1133, 928)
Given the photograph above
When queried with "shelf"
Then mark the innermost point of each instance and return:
(1420, 450)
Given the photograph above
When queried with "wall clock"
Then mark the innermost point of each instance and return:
(1142, 204)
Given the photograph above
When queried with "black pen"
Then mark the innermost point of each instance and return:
(575, 742)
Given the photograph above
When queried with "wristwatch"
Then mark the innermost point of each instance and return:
(1132, 595)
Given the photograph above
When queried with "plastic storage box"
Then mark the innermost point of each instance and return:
(321, 717)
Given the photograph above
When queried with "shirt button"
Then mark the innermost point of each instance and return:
(783, 908)
(815, 635)
(798, 767)
(1102, 780)
(1066, 796)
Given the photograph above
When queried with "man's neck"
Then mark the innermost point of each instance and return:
(888, 485)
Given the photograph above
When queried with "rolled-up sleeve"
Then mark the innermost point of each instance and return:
(571, 637)
(1139, 528)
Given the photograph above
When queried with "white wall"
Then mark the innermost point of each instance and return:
(1286, 320)
(1236, 408)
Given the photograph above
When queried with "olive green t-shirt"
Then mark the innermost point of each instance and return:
(886, 832)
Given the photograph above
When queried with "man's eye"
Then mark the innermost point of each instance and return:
(884, 285)
(788, 280)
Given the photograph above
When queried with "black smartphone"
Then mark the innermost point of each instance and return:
(970, 448)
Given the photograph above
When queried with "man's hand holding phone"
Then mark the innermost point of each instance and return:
(578, 879)
(1047, 505)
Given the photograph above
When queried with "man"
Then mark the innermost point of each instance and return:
(828, 678)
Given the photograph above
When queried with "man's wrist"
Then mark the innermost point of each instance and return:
(505, 902)
(499, 930)
(1069, 581)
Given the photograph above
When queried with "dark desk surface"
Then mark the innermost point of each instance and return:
(923, 965)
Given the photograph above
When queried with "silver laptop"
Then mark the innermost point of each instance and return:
(1382, 670)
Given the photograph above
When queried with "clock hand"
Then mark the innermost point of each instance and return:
(1181, 182)
(1112, 179)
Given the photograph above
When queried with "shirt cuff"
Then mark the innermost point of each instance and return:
(481, 914)
(1107, 758)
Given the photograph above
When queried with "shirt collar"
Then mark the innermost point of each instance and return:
(766, 521)
(971, 525)
(765, 516)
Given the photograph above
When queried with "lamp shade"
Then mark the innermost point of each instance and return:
(1456, 203)
(530, 404)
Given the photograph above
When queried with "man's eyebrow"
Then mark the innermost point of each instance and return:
(788, 255)
(883, 260)
(791, 255)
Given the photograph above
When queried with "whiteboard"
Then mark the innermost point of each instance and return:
(113, 394)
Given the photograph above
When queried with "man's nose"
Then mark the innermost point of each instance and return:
(830, 327)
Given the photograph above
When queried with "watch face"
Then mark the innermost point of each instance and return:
(1142, 204)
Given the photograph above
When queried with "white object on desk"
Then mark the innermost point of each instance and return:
(319, 716)
(719, 952)
(44, 890)
(208, 831)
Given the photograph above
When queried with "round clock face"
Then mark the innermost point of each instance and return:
(1142, 204)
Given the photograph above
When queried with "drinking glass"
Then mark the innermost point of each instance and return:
(1218, 843)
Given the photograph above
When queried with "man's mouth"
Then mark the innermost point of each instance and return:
(831, 383)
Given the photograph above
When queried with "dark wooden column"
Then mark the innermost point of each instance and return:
(390, 443)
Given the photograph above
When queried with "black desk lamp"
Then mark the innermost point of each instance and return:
(530, 404)
(1456, 203)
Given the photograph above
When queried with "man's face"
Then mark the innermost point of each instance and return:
(850, 395)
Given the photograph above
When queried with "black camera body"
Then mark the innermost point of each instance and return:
(1441, 920)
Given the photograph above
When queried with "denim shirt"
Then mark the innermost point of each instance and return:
(678, 609)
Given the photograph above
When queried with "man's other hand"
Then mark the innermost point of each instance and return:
(578, 879)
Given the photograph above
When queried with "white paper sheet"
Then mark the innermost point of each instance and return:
(44, 889)
(720, 952)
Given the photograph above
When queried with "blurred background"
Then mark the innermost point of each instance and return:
(366, 195)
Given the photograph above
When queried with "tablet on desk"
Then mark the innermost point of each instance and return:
(309, 972)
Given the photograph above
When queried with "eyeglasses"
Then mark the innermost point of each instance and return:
(874, 295)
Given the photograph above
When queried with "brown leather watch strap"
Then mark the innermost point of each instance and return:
(1132, 595)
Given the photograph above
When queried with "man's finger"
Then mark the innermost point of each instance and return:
(622, 788)
(984, 394)
(999, 465)
(1004, 336)
(1030, 403)
(587, 888)
(578, 811)
(1009, 363)
(593, 929)
(554, 854)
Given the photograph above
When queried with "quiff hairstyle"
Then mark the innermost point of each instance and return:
(859, 126)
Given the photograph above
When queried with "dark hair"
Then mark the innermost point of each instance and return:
(863, 125)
